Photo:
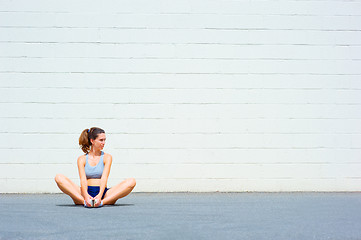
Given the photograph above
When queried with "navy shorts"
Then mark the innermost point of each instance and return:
(94, 190)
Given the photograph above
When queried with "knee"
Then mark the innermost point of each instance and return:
(59, 178)
(131, 182)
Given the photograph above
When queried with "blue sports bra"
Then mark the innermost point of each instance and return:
(96, 171)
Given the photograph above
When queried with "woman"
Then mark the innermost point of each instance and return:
(94, 168)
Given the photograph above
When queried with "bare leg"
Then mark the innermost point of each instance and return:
(119, 191)
(70, 188)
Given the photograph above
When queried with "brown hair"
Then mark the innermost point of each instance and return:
(86, 135)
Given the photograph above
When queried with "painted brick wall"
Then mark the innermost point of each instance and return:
(201, 95)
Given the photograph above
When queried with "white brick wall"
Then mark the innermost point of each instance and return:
(201, 95)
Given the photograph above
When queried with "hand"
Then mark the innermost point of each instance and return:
(88, 200)
(98, 200)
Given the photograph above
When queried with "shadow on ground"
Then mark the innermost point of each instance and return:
(106, 206)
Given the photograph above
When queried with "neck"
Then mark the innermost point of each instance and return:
(95, 152)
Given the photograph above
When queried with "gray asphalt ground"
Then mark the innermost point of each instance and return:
(185, 216)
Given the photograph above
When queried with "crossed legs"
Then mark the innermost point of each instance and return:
(112, 195)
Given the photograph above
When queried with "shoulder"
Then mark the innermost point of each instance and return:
(107, 158)
(81, 159)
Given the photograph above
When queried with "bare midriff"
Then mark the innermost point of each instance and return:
(93, 182)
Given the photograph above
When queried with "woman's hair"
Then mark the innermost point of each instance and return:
(86, 135)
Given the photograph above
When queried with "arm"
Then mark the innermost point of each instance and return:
(83, 180)
(104, 179)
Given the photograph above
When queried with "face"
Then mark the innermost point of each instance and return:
(99, 142)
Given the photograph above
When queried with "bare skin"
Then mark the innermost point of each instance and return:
(112, 195)
(80, 194)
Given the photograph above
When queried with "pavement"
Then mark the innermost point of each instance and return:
(173, 216)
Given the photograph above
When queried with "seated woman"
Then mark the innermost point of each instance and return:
(94, 168)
